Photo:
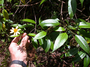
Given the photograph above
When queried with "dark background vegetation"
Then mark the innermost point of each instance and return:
(49, 9)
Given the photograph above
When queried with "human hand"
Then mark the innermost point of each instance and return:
(18, 52)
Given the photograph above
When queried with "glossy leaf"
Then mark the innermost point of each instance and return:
(52, 45)
(50, 22)
(29, 20)
(41, 42)
(48, 45)
(81, 2)
(84, 25)
(82, 42)
(60, 40)
(5, 14)
(60, 29)
(31, 34)
(80, 55)
(40, 35)
(86, 61)
(72, 5)
(34, 42)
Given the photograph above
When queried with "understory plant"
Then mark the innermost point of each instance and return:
(53, 33)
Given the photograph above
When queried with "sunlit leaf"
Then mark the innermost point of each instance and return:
(86, 61)
(71, 27)
(60, 40)
(5, 14)
(2, 2)
(34, 42)
(19, 25)
(29, 20)
(31, 34)
(50, 22)
(42, 2)
(80, 55)
(82, 42)
(41, 42)
(84, 25)
(72, 5)
(60, 29)
(81, 2)
(48, 45)
(40, 35)
(52, 45)
(14, 36)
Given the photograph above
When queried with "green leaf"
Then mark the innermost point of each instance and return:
(72, 5)
(84, 33)
(23, 1)
(82, 42)
(71, 52)
(42, 2)
(19, 25)
(52, 45)
(34, 42)
(80, 55)
(50, 22)
(41, 42)
(2, 2)
(5, 14)
(81, 2)
(48, 45)
(84, 25)
(9, 1)
(31, 34)
(40, 35)
(45, 43)
(60, 29)
(14, 36)
(86, 61)
(60, 40)
(29, 20)
(71, 27)
(0, 26)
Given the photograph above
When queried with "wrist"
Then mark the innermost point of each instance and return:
(17, 63)
(25, 61)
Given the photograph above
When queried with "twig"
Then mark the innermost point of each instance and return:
(62, 9)
(35, 18)
(16, 10)
(28, 5)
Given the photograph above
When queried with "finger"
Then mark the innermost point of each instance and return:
(24, 41)
(16, 39)
(24, 34)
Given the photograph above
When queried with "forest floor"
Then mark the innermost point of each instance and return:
(38, 58)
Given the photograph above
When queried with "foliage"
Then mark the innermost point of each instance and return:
(55, 31)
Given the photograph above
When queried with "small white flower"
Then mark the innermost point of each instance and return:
(15, 31)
